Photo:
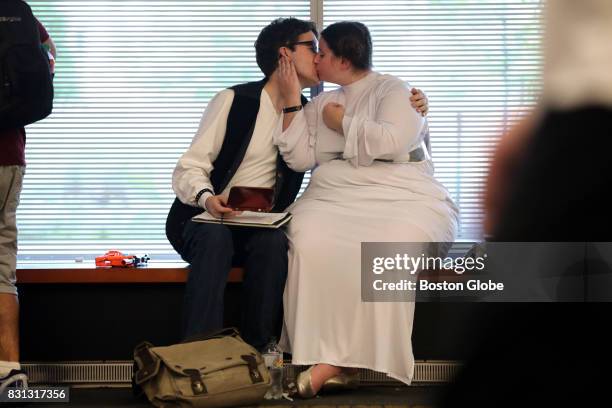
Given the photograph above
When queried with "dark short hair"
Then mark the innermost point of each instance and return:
(279, 33)
(350, 40)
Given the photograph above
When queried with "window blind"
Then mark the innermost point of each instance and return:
(479, 64)
(133, 77)
(132, 80)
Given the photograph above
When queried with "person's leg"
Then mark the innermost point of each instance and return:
(9, 328)
(325, 377)
(10, 187)
(263, 286)
(209, 250)
(322, 373)
(10, 369)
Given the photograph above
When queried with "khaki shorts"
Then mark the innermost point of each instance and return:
(11, 180)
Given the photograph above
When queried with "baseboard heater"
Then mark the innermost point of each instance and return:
(119, 373)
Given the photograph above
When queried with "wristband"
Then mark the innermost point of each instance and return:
(292, 109)
(204, 190)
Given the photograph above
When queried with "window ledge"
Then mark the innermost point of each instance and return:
(87, 272)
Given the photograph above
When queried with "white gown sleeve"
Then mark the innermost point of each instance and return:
(393, 132)
(192, 172)
(297, 143)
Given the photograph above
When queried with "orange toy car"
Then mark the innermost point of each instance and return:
(117, 259)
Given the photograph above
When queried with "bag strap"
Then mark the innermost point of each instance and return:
(148, 365)
(227, 332)
(197, 385)
(253, 368)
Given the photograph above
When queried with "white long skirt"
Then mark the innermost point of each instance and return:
(325, 319)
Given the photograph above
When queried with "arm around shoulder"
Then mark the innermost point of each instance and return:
(392, 132)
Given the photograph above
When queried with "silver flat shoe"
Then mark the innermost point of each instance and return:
(341, 382)
(304, 384)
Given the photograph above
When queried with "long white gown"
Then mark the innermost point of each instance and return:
(353, 198)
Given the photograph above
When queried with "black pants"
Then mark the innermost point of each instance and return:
(212, 250)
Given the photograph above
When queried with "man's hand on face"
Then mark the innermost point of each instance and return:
(419, 101)
(333, 113)
(217, 207)
(290, 87)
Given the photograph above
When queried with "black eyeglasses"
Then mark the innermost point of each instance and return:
(313, 44)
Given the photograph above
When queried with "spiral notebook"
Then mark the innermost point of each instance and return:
(248, 219)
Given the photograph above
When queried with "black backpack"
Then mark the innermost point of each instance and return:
(26, 87)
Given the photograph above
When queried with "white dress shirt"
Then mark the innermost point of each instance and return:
(378, 123)
(258, 168)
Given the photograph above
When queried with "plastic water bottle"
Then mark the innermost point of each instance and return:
(273, 358)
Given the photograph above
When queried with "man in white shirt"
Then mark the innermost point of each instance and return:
(233, 147)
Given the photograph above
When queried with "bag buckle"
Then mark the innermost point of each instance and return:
(197, 385)
(253, 370)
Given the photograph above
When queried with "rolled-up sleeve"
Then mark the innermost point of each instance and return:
(393, 132)
(192, 172)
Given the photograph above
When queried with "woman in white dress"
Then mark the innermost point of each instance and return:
(372, 182)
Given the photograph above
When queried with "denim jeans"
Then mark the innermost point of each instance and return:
(212, 250)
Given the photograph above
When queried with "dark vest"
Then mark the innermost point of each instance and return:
(240, 125)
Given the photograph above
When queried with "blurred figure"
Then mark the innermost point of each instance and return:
(547, 184)
(548, 174)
